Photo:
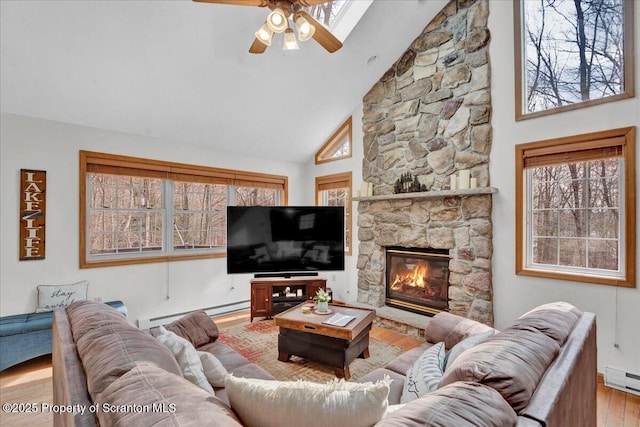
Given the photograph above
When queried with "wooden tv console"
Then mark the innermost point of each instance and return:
(265, 302)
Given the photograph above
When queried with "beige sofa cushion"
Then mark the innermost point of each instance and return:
(197, 327)
(556, 320)
(167, 399)
(511, 362)
(461, 404)
(110, 350)
(452, 329)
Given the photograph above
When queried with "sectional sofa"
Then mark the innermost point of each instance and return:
(541, 371)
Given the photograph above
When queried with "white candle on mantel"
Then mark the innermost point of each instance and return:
(473, 183)
(454, 182)
(364, 189)
(370, 189)
(463, 183)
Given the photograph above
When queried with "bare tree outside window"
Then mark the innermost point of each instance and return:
(575, 215)
(199, 220)
(145, 210)
(125, 214)
(253, 196)
(335, 190)
(326, 13)
(575, 208)
(572, 53)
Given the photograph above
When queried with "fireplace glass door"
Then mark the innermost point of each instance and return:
(418, 279)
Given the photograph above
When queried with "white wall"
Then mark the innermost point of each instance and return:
(344, 284)
(617, 309)
(38, 144)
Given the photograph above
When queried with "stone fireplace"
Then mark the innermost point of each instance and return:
(430, 116)
(417, 279)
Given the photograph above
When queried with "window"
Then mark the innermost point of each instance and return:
(575, 208)
(137, 210)
(335, 190)
(572, 54)
(338, 146)
(328, 13)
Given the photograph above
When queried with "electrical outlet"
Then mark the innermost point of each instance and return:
(333, 277)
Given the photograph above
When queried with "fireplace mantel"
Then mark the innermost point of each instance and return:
(429, 194)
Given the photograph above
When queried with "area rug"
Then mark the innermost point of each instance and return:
(258, 342)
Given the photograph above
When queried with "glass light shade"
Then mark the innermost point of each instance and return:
(290, 42)
(264, 34)
(277, 21)
(305, 29)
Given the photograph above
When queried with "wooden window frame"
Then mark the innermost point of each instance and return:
(629, 73)
(135, 166)
(333, 144)
(339, 180)
(550, 151)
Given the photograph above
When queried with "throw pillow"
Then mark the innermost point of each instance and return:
(425, 374)
(51, 297)
(197, 327)
(213, 369)
(464, 345)
(266, 403)
(187, 357)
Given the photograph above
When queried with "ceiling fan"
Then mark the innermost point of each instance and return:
(278, 22)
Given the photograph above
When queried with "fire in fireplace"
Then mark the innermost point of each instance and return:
(418, 279)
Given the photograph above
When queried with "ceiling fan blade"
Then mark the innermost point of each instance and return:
(258, 3)
(311, 2)
(257, 46)
(322, 35)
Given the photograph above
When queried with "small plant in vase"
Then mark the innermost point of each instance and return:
(322, 298)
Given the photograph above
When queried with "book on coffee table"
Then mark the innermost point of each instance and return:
(339, 319)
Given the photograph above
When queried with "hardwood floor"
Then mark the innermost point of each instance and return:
(30, 382)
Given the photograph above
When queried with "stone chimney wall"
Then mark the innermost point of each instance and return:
(430, 115)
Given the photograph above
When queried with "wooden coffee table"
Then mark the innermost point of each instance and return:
(305, 335)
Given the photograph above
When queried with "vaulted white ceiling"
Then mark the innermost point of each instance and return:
(181, 71)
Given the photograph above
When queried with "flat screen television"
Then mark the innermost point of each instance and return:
(283, 239)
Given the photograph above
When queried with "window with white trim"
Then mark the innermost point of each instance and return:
(575, 208)
(139, 210)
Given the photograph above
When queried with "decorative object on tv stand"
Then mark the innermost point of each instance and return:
(408, 183)
(323, 298)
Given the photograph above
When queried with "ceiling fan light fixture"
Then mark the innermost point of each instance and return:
(264, 34)
(277, 20)
(305, 29)
(290, 42)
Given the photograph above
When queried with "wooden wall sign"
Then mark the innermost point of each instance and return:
(33, 187)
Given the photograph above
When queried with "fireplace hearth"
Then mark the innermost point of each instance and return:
(417, 279)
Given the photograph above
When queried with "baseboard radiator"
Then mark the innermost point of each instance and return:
(218, 310)
(622, 380)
